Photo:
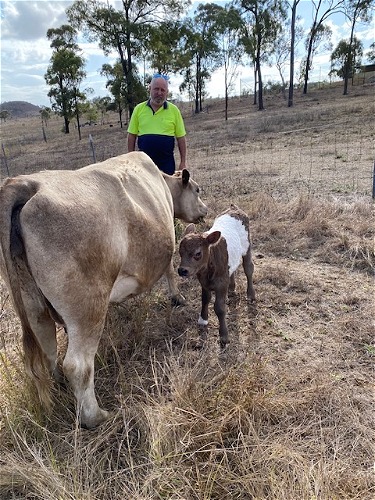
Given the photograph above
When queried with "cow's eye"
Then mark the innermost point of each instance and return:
(198, 255)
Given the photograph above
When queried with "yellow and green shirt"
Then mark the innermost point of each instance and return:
(156, 132)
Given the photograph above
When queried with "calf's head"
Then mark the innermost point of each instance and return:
(194, 251)
(187, 203)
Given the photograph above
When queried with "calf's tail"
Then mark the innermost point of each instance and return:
(14, 194)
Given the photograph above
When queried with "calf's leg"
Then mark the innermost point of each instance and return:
(206, 298)
(220, 309)
(232, 284)
(248, 266)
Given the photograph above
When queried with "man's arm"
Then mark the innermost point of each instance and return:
(181, 142)
(131, 142)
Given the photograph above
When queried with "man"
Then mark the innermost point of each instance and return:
(156, 123)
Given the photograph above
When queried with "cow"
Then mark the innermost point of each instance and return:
(73, 241)
(213, 257)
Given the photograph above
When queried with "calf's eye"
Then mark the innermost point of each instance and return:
(198, 255)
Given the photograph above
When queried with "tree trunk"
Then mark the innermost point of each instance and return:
(349, 61)
(292, 42)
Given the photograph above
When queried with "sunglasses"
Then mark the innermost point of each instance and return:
(159, 75)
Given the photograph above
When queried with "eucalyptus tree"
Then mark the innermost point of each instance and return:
(203, 54)
(230, 51)
(293, 20)
(346, 58)
(123, 30)
(168, 48)
(284, 50)
(116, 84)
(319, 32)
(101, 104)
(371, 53)
(355, 11)
(65, 74)
(263, 22)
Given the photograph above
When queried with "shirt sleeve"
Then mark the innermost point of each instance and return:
(180, 126)
(133, 127)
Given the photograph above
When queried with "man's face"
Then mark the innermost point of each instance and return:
(158, 91)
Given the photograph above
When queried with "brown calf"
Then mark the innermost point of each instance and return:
(213, 257)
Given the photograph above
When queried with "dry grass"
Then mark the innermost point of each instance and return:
(287, 411)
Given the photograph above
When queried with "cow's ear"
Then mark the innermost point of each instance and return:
(189, 229)
(185, 177)
(213, 237)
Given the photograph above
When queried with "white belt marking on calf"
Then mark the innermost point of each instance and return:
(235, 235)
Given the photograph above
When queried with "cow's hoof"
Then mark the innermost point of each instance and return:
(93, 422)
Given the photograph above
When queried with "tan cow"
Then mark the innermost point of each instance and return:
(71, 242)
(214, 257)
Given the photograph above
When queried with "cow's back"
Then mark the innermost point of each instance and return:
(98, 224)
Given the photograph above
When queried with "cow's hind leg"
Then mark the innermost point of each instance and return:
(248, 266)
(78, 365)
(43, 326)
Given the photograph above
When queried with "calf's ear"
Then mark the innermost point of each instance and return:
(185, 177)
(189, 229)
(213, 238)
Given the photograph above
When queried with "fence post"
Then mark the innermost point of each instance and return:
(91, 141)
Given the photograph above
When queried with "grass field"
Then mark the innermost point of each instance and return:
(287, 411)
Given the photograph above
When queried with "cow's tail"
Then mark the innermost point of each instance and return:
(14, 194)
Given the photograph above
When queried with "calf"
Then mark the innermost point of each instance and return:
(213, 257)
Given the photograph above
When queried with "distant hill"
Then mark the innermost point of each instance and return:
(20, 109)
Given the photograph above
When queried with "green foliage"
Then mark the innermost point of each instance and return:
(346, 58)
(124, 30)
(65, 73)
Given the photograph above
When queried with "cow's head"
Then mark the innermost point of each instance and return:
(187, 203)
(194, 250)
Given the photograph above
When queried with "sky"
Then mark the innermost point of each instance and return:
(26, 52)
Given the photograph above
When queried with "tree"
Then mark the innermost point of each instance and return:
(65, 74)
(45, 115)
(340, 58)
(284, 49)
(292, 50)
(4, 114)
(167, 49)
(263, 24)
(229, 24)
(318, 33)
(371, 53)
(356, 10)
(123, 30)
(116, 84)
(101, 104)
(203, 51)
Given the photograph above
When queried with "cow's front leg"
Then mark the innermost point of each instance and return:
(206, 298)
(220, 309)
(177, 299)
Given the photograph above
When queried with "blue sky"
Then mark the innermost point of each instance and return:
(25, 51)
